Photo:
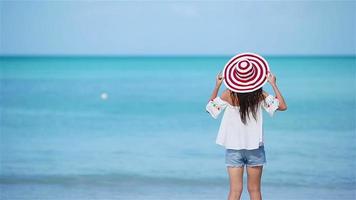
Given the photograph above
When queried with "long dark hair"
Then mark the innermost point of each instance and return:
(248, 102)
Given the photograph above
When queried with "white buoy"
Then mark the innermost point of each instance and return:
(104, 96)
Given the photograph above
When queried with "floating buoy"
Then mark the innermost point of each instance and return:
(104, 96)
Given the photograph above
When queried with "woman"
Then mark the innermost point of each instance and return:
(241, 132)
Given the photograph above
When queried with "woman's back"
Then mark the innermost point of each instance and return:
(233, 132)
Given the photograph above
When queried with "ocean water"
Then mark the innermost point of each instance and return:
(152, 139)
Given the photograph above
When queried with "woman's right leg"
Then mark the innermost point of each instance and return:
(236, 181)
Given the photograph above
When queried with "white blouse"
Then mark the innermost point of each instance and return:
(233, 134)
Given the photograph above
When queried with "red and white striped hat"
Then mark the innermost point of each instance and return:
(245, 72)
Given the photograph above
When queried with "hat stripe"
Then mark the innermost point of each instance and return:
(245, 72)
(241, 77)
(251, 85)
(251, 80)
(248, 82)
(245, 79)
(246, 75)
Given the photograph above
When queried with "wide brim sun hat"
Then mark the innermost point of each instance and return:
(245, 72)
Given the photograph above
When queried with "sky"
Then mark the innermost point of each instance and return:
(177, 27)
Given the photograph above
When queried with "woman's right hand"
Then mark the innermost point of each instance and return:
(271, 78)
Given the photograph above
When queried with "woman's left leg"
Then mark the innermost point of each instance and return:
(254, 174)
(236, 181)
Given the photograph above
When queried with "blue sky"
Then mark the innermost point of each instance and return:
(177, 27)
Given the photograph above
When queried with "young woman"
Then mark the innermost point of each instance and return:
(241, 132)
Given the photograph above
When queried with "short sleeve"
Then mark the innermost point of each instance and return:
(215, 106)
(270, 104)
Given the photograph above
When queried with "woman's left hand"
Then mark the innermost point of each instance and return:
(219, 79)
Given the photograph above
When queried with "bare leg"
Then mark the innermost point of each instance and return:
(236, 181)
(254, 182)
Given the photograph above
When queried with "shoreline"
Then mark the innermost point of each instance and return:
(135, 190)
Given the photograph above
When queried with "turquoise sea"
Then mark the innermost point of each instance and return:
(151, 137)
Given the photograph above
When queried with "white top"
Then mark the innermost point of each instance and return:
(233, 134)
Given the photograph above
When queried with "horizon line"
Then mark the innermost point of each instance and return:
(163, 55)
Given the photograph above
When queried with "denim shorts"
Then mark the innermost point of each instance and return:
(241, 157)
